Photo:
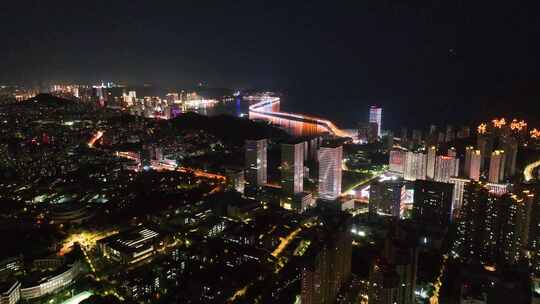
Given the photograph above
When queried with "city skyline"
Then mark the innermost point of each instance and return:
(372, 152)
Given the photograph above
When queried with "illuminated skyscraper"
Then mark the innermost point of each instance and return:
(292, 167)
(457, 194)
(330, 159)
(431, 156)
(473, 160)
(397, 160)
(415, 166)
(496, 166)
(446, 167)
(256, 162)
(375, 116)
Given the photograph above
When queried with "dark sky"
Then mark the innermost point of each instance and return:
(365, 51)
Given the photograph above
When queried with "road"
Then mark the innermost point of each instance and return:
(529, 170)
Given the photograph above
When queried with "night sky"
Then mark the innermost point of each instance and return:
(434, 56)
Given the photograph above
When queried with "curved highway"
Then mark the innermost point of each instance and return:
(528, 172)
(264, 109)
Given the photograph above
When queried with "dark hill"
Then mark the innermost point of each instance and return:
(228, 128)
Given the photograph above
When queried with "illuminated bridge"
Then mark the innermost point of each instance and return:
(297, 124)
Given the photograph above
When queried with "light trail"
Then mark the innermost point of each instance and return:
(95, 138)
(438, 282)
(166, 167)
(264, 110)
(285, 241)
(529, 169)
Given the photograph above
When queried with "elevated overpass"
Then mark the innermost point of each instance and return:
(268, 109)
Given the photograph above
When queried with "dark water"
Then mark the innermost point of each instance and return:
(348, 111)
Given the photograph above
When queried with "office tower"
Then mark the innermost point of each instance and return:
(385, 197)
(367, 132)
(256, 162)
(431, 156)
(292, 168)
(328, 265)
(375, 116)
(432, 203)
(417, 136)
(397, 160)
(452, 152)
(510, 148)
(446, 167)
(415, 166)
(330, 159)
(485, 145)
(496, 166)
(457, 194)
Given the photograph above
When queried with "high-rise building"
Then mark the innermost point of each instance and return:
(446, 167)
(432, 202)
(457, 194)
(473, 160)
(533, 240)
(496, 166)
(417, 136)
(385, 197)
(392, 276)
(328, 265)
(450, 133)
(330, 162)
(375, 116)
(292, 167)
(431, 156)
(415, 166)
(256, 162)
(313, 147)
(368, 132)
(493, 229)
(404, 134)
(510, 148)
(452, 152)
(471, 230)
(389, 140)
(397, 160)
(485, 145)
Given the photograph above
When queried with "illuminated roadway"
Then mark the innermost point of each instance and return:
(528, 172)
(265, 109)
(95, 138)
